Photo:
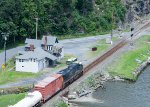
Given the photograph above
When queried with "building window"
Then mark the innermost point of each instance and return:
(50, 47)
(34, 60)
(19, 60)
(22, 66)
(22, 60)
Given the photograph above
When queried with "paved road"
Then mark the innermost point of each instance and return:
(78, 47)
(70, 46)
(10, 54)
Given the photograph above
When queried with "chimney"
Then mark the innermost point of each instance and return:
(31, 47)
(45, 43)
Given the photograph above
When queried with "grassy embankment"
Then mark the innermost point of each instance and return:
(101, 47)
(9, 74)
(10, 99)
(126, 63)
(59, 103)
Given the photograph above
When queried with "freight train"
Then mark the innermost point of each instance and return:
(51, 85)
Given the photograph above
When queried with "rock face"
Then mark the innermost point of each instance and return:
(136, 8)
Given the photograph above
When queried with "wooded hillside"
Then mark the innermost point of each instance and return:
(57, 17)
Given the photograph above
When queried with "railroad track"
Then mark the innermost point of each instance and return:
(104, 56)
(100, 59)
(142, 28)
(113, 50)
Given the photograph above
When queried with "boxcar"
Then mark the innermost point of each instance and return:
(49, 86)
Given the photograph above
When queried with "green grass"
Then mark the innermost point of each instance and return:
(59, 103)
(101, 47)
(12, 76)
(9, 75)
(126, 64)
(10, 99)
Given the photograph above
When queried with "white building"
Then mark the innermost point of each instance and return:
(35, 61)
(39, 54)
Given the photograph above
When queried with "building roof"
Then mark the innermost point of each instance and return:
(22, 52)
(51, 40)
(37, 54)
(58, 45)
(36, 43)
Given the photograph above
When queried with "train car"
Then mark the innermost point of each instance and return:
(49, 86)
(71, 73)
(32, 99)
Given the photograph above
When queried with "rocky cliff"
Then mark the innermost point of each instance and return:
(136, 9)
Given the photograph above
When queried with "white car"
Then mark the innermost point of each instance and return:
(71, 60)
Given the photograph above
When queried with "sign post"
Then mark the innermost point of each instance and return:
(3, 66)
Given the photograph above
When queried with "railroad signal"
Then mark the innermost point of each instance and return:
(131, 40)
(132, 29)
(3, 66)
(131, 35)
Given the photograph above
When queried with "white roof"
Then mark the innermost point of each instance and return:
(30, 100)
(36, 43)
(37, 54)
(51, 40)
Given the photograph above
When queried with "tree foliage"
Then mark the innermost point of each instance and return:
(58, 17)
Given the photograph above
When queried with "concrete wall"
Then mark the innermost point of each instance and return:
(40, 65)
(31, 66)
(27, 66)
(43, 64)
(62, 53)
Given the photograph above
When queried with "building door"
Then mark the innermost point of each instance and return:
(50, 63)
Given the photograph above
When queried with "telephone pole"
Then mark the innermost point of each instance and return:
(5, 35)
(37, 19)
(112, 26)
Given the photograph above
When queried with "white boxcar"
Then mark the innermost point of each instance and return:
(30, 100)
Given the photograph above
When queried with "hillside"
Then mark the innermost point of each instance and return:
(136, 8)
(66, 17)
(58, 17)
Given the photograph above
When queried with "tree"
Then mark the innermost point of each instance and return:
(85, 6)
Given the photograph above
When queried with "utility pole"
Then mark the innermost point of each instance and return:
(36, 27)
(5, 35)
(112, 26)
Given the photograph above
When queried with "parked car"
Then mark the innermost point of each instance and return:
(71, 60)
